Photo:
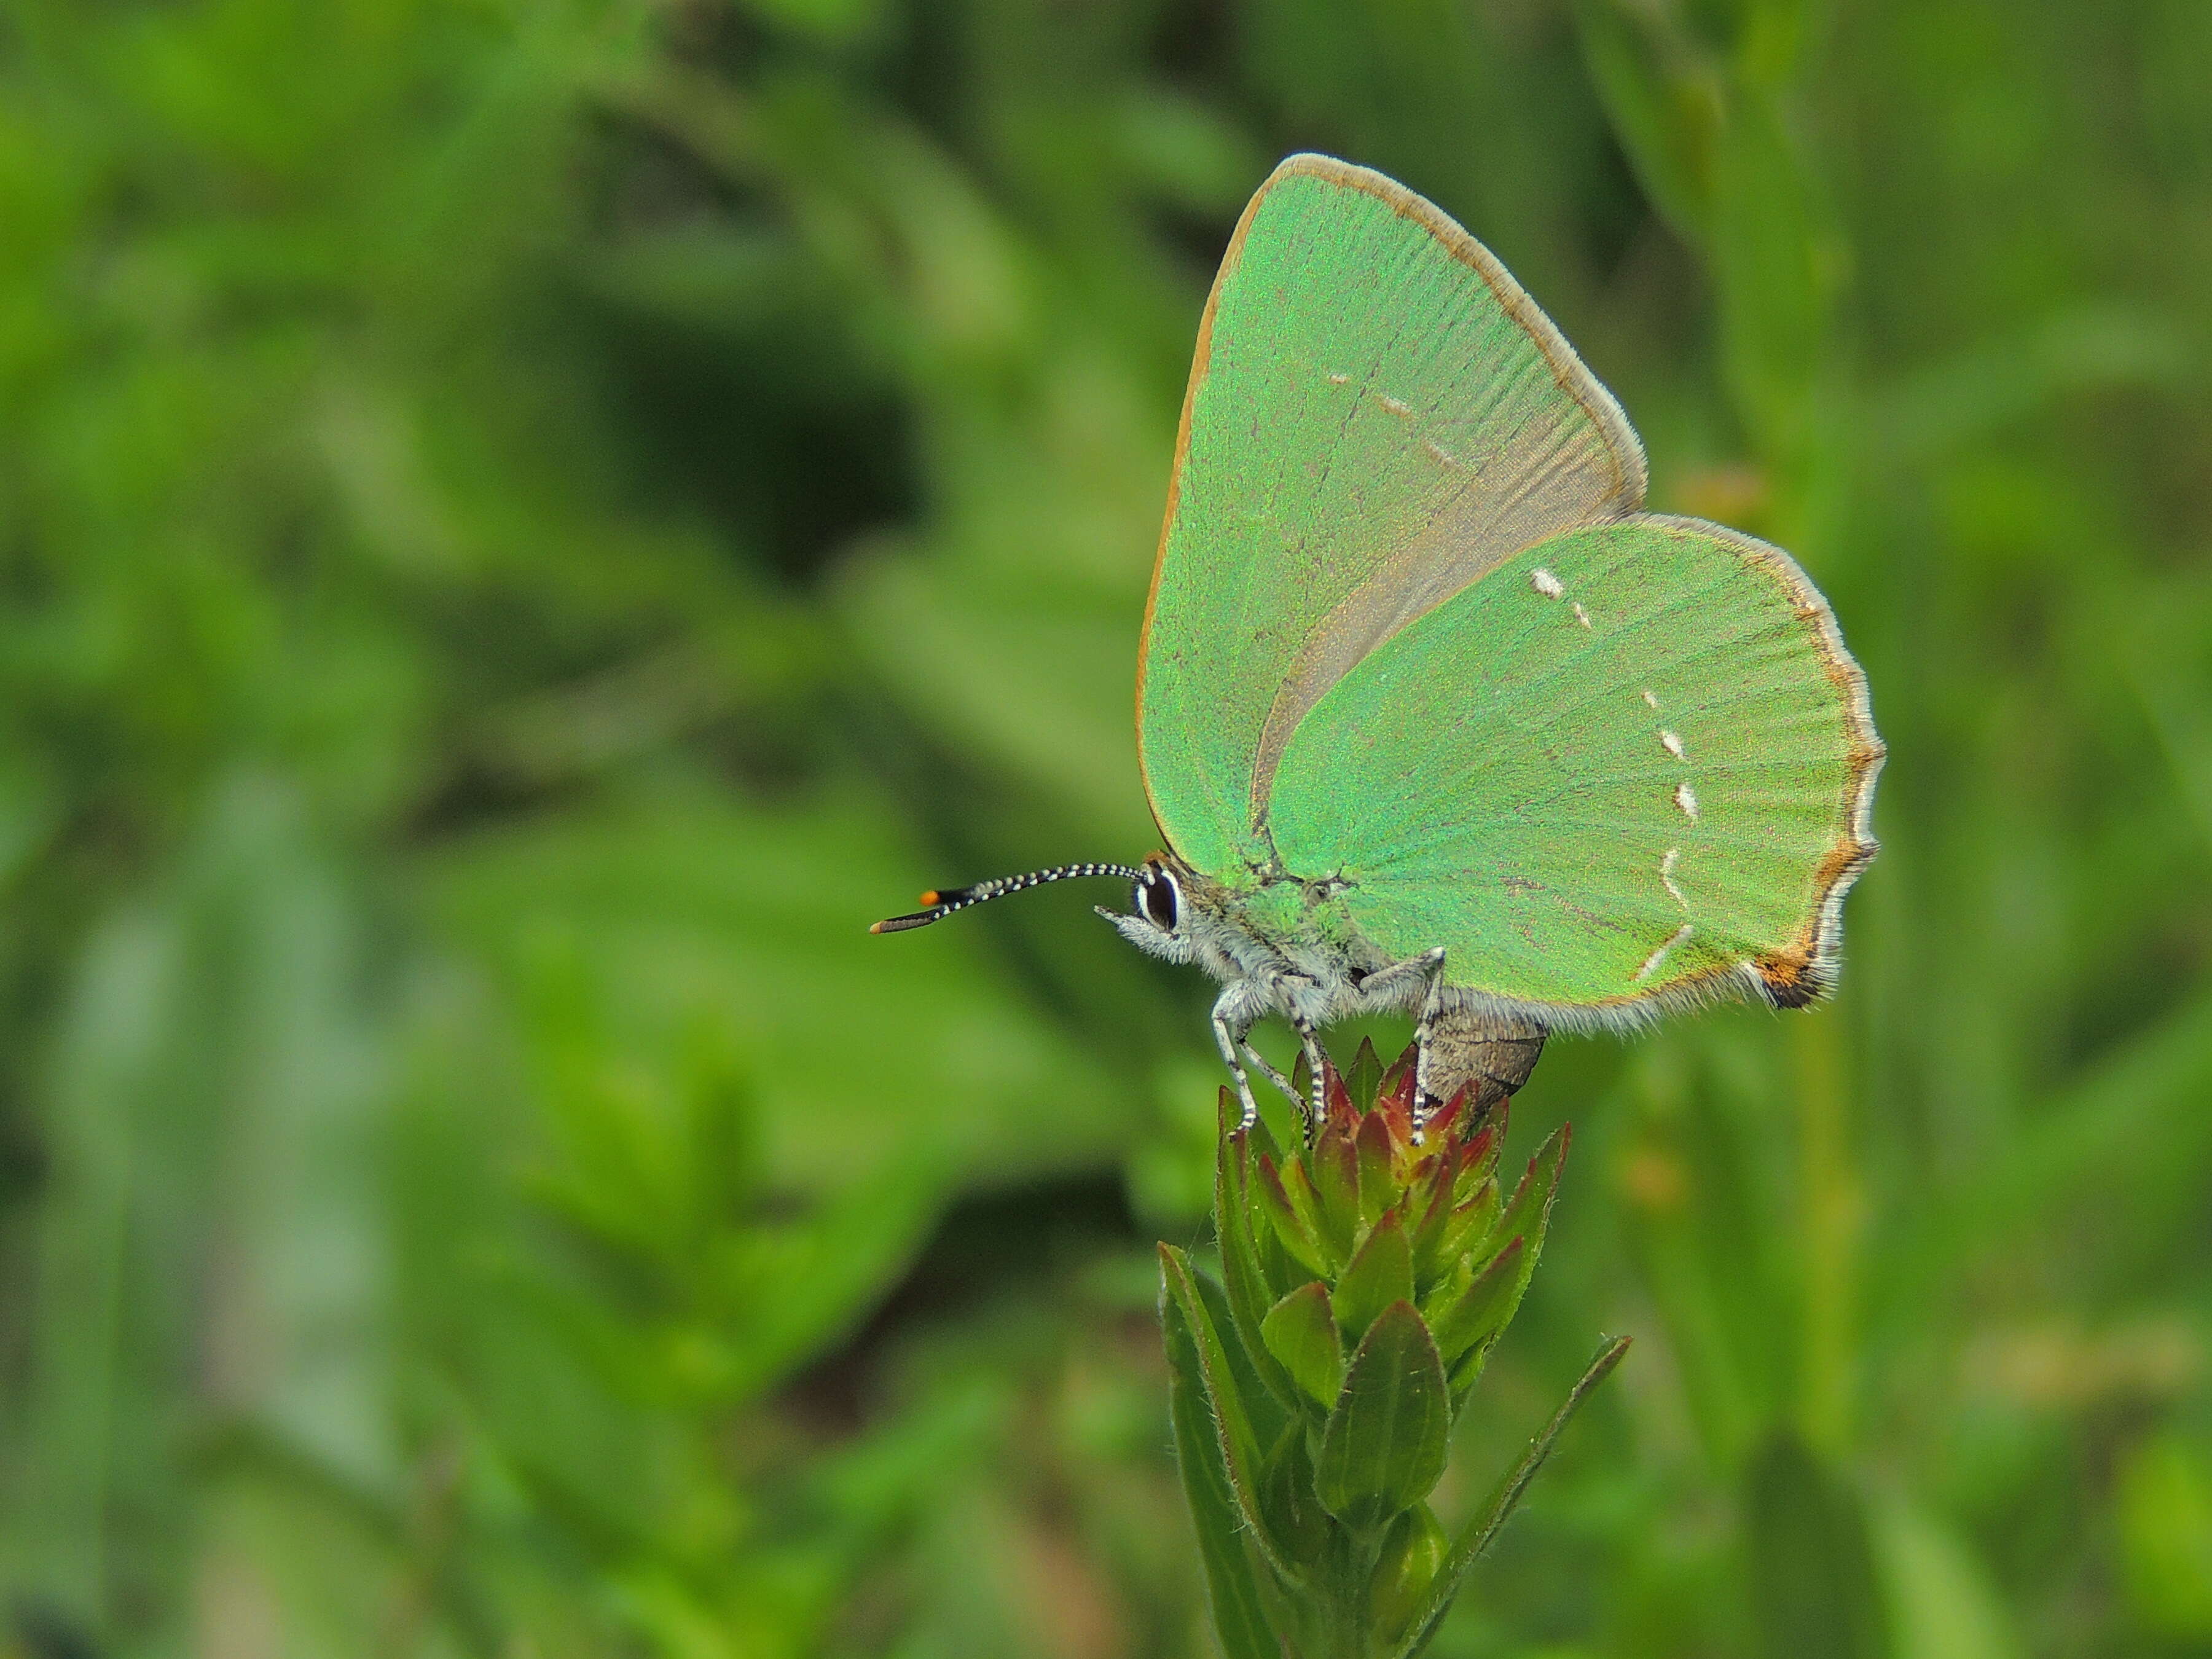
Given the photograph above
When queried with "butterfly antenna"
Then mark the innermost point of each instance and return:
(941, 905)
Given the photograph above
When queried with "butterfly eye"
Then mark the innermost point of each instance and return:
(1157, 898)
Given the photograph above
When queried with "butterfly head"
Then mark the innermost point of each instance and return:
(1177, 915)
(1157, 896)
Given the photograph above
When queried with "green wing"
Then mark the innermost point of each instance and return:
(1629, 766)
(1376, 416)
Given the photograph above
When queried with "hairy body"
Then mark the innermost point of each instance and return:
(1279, 947)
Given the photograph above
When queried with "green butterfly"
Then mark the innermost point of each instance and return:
(1434, 719)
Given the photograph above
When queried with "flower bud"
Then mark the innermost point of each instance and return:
(1364, 1276)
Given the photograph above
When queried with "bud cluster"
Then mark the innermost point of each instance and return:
(1364, 1276)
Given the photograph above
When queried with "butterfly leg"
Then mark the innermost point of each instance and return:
(1267, 1068)
(1405, 985)
(1412, 987)
(1317, 1107)
(1229, 1040)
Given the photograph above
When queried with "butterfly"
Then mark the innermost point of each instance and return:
(1433, 718)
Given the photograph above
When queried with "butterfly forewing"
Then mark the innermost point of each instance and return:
(1376, 416)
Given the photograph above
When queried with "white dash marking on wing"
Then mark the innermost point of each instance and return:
(1671, 745)
(1650, 702)
(1651, 963)
(1392, 404)
(1581, 615)
(1666, 877)
(1545, 583)
(1687, 799)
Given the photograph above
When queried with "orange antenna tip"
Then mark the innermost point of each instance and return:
(937, 905)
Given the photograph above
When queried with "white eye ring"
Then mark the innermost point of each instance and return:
(1159, 900)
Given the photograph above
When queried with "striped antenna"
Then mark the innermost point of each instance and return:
(942, 905)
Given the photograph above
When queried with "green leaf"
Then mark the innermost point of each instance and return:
(1382, 1451)
(1333, 1166)
(1289, 1205)
(1665, 112)
(1942, 1603)
(1432, 1211)
(1813, 1588)
(1772, 263)
(1365, 1080)
(1383, 1273)
(1530, 1211)
(2164, 1504)
(1267, 1414)
(1478, 1532)
(1413, 1551)
(1240, 1274)
(653, 881)
(1528, 1217)
(1378, 1186)
(833, 21)
(1333, 1227)
(1476, 1164)
(1293, 1513)
(1484, 1309)
(1300, 1332)
(1232, 1589)
(1232, 1420)
(1462, 1232)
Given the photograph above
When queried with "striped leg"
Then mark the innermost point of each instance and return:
(1317, 1107)
(1229, 1041)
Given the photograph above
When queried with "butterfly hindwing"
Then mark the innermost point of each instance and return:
(1631, 763)
(1376, 415)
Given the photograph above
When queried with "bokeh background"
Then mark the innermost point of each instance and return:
(524, 523)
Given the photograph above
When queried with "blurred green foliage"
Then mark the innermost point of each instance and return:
(524, 526)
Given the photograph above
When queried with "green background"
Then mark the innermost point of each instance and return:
(524, 526)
